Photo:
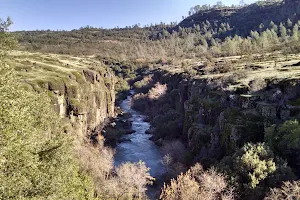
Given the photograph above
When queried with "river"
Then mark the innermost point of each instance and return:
(139, 147)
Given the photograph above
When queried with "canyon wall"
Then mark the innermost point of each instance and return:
(82, 90)
(215, 121)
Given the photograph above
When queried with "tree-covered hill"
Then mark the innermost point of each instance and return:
(265, 26)
(237, 20)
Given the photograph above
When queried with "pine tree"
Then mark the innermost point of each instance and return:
(261, 26)
(289, 23)
(296, 32)
(264, 40)
(282, 30)
(213, 42)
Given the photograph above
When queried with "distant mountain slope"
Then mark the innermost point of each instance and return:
(243, 20)
(271, 25)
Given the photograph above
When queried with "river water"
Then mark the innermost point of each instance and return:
(140, 147)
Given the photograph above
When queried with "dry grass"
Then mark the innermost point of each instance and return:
(244, 70)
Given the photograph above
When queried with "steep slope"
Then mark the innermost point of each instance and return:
(217, 107)
(243, 20)
(82, 89)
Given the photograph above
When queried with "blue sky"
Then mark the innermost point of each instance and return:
(71, 14)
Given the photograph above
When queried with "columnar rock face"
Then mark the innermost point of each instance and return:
(91, 105)
(82, 90)
(234, 118)
(218, 121)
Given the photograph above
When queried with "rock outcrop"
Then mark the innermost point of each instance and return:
(218, 121)
(82, 89)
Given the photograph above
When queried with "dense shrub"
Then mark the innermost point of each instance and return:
(255, 162)
(288, 191)
(168, 125)
(122, 88)
(285, 141)
(37, 160)
(198, 184)
(128, 182)
(254, 168)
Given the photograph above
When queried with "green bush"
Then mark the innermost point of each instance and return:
(122, 88)
(37, 160)
(255, 162)
(285, 140)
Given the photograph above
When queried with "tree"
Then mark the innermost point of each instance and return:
(295, 32)
(289, 23)
(242, 3)
(255, 162)
(282, 30)
(204, 42)
(7, 42)
(165, 34)
(285, 140)
(213, 42)
(273, 26)
(132, 179)
(219, 4)
(261, 26)
(230, 46)
(254, 35)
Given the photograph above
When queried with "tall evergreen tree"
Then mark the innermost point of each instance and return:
(296, 32)
(282, 29)
(289, 23)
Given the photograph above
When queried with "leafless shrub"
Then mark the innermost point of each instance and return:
(212, 183)
(257, 84)
(157, 91)
(183, 188)
(96, 161)
(129, 182)
(198, 184)
(288, 191)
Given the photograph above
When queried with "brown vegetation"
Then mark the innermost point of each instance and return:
(198, 184)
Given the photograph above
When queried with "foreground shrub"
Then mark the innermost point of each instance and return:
(288, 191)
(197, 184)
(36, 159)
(129, 182)
(253, 169)
(255, 162)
